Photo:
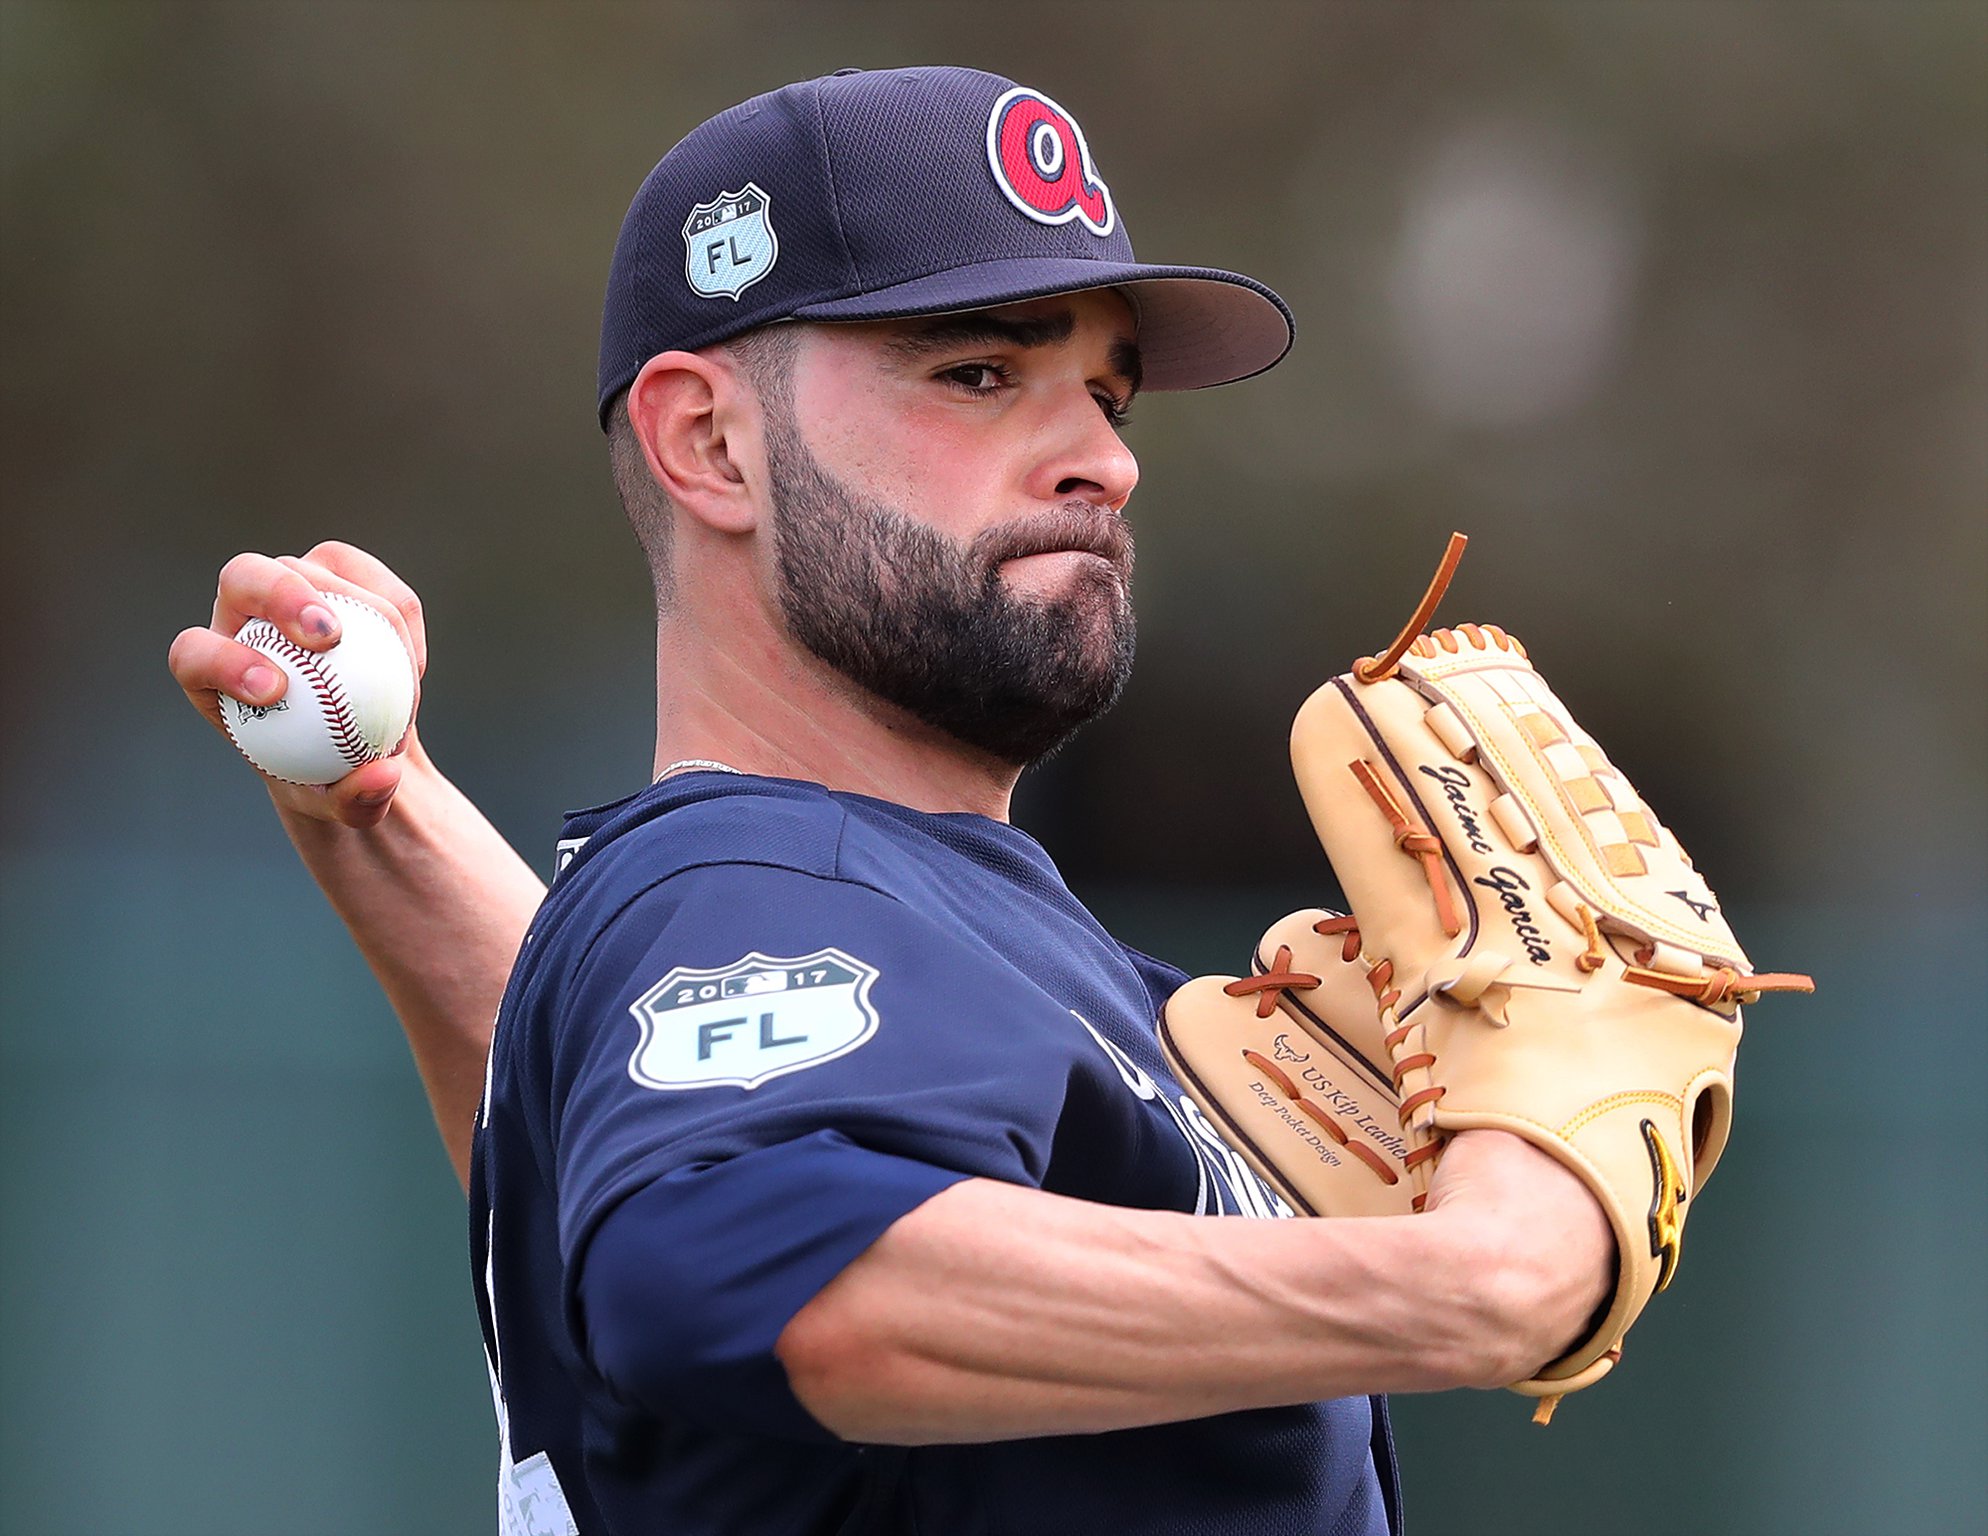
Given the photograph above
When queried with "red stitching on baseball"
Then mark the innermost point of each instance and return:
(345, 733)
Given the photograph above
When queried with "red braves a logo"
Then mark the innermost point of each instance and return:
(1041, 161)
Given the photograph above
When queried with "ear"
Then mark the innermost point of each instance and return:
(689, 412)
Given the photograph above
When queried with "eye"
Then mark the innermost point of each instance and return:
(1116, 411)
(976, 378)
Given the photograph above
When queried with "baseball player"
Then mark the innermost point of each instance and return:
(828, 1177)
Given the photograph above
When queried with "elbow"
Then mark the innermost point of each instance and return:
(857, 1378)
(759, 1330)
(839, 1370)
(823, 1356)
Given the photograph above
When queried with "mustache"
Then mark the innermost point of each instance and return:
(1075, 527)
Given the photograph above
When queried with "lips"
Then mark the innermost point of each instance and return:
(1064, 532)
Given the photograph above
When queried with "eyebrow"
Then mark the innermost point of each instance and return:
(943, 333)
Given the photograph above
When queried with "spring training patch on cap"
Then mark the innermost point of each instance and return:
(729, 243)
(1040, 160)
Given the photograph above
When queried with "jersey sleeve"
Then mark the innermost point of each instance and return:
(754, 1073)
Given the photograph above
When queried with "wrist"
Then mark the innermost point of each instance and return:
(1501, 1306)
(1479, 1323)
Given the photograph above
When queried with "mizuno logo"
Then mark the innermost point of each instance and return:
(1666, 1223)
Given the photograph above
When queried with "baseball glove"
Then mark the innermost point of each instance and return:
(1530, 950)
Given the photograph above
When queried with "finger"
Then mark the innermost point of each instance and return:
(364, 796)
(207, 664)
(373, 573)
(329, 581)
(258, 587)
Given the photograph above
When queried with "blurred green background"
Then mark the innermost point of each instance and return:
(1677, 307)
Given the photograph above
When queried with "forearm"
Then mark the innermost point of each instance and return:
(994, 1312)
(438, 903)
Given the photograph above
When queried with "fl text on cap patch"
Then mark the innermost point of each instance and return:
(729, 243)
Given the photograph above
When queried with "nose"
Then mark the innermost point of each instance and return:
(1083, 458)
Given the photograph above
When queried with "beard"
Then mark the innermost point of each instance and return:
(924, 622)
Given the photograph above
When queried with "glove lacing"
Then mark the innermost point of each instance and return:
(1268, 988)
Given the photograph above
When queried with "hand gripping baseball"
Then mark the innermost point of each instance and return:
(284, 598)
(1530, 950)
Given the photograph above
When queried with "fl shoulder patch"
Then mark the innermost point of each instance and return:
(749, 1022)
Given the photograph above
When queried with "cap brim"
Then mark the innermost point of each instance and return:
(1197, 325)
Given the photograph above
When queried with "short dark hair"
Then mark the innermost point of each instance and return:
(767, 356)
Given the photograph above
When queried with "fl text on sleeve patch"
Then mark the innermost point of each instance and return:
(749, 1022)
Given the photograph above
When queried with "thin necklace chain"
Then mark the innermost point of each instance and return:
(690, 764)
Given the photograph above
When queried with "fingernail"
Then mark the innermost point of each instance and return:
(259, 682)
(319, 620)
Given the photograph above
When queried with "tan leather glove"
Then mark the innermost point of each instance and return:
(1530, 950)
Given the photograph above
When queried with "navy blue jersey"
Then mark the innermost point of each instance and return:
(754, 1023)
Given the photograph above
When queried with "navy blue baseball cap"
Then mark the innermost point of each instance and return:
(880, 194)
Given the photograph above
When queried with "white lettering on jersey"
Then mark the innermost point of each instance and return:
(1136, 1077)
(530, 1501)
(1255, 1197)
(1231, 1182)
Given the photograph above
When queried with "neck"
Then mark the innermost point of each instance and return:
(762, 705)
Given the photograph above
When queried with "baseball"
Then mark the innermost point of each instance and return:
(341, 709)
